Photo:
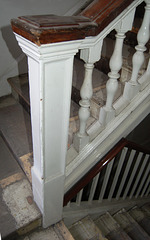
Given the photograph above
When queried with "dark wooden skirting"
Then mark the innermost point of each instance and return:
(100, 165)
(44, 29)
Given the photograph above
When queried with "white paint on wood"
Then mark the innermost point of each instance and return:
(107, 113)
(124, 123)
(93, 188)
(141, 184)
(105, 181)
(132, 87)
(125, 174)
(132, 175)
(145, 160)
(50, 97)
(117, 173)
(90, 56)
(147, 183)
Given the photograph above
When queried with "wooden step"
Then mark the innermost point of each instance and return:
(55, 232)
(110, 228)
(20, 90)
(85, 229)
(127, 53)
(132, 228)
(141, 218)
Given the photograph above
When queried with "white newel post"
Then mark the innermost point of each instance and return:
(132, 87)
(50, 79)
(90, 56)
(107, 113)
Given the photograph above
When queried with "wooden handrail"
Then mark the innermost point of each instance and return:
(100, 165)
(137, 147)
(104, 12)
(44, 29)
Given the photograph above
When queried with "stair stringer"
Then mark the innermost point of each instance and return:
(79, 164)
(74, 213)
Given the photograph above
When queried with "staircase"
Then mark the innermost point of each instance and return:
(123, 225)
(114, 114)
(132, 224)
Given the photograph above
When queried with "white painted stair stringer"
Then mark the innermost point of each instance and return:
(119, 127)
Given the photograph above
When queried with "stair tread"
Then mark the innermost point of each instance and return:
(16, 127)
(133, 229)
(21, 86)
(18, 212)
(142, 219)
(110, 228)
(56, 232)
(7, 101)
(85, 229)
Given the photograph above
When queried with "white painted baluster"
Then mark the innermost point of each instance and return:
(145, 187)
(132, 87)
(79, 197)
(93, 188)
(132, 175)
(86, 93)
(108, 112)
(145, 160)
(148, 191)
(145, 174)
(125, 174)
(50, 79)
(105, 181)
(90, 56)
(119, 167)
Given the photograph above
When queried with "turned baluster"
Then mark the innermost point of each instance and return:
(132, 87)
(115, 66)
(107, 113)
(90, 56)
(86, 93)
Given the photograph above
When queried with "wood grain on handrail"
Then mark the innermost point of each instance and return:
(44, 29)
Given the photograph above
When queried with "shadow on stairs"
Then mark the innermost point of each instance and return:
(133, 224)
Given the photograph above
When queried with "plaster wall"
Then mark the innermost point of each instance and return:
(12, 60)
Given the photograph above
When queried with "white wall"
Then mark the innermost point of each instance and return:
(12, 60)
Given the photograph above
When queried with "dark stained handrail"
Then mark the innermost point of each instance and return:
(44, 29)
(100, 165)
